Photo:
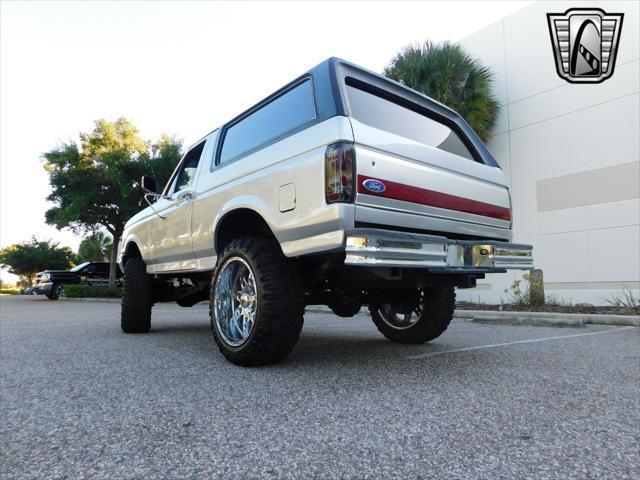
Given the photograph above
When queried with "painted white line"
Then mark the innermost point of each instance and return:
(518, 342)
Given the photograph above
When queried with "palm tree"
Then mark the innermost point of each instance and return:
(446, 73)
(95, 248)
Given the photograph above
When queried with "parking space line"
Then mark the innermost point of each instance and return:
(518, 342)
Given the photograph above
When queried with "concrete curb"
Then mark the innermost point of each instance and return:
(526, 320)
(547, 318)
(543, 319)
(90, 300)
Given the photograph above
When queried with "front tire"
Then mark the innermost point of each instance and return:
(256, 304)
(57, 291)
(423, 320)
(136, 298)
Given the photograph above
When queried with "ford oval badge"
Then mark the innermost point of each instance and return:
(374, 186)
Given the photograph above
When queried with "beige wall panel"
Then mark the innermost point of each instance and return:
(597, 137)
(592, 285)
(603, 185)
(569, 97)
(615, 254)
(562, 221)
(614, 214)
(564, 257)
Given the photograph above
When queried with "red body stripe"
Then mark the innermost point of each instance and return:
(408, 193)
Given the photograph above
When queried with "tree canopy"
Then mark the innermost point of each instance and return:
(95, 248)
(96, 183)
(28, 258)
(446, 73)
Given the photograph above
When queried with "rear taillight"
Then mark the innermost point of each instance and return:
(339, 172)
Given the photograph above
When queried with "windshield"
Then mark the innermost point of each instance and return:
(80, 267)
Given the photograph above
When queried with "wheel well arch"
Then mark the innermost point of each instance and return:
(237, 223)
(131, 251)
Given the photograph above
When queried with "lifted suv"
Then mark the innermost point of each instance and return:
(343, 188)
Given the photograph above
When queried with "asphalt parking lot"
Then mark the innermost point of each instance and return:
(79, 399)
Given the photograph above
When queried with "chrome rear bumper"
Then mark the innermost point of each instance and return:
(373, 247)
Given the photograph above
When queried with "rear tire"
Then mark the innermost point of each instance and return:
(136, 298)
(433, 312)
(256, 283)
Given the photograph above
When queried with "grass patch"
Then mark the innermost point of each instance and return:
(89, 291)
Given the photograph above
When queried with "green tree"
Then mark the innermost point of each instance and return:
(28, 258)
(96, 184)
(95, 248)
(446, 73)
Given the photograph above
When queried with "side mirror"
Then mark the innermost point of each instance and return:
(151, 195)
(149, 184)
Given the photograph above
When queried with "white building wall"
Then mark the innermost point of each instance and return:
(572, 153)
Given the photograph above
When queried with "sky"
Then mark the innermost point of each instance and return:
(183, 68)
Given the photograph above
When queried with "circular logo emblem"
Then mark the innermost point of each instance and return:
(374, 186)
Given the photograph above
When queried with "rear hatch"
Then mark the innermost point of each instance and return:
(418, 171)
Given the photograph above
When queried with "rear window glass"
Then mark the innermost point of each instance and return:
(276, 118)
(386, 115)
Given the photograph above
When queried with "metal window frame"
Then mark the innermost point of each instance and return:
(169, 187)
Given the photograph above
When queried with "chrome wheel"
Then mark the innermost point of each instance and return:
(235, 301)
(402, 317)
(60, 291)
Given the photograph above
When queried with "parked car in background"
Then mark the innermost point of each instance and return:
(343, 188)
(31, 290)
(51, 282)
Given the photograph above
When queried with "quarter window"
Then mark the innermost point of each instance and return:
(281, 115)
(386, 115)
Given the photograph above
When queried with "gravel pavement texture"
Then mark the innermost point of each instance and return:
(80, 399)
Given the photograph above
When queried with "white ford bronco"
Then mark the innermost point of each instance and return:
(343, 188)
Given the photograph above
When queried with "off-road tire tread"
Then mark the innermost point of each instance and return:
(437, 314)
(136, 297)
(280, 313)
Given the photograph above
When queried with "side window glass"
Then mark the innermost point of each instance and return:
(188, 168)
(283, 114)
